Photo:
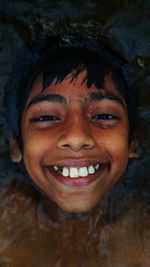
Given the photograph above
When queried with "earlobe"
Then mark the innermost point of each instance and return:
(15, 152)
(132, 150)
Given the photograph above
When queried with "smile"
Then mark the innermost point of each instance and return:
(74, 172)
(78, 173)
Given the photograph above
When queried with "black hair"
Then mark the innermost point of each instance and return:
(65, 56)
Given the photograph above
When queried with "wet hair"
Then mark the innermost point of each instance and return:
(65, 56)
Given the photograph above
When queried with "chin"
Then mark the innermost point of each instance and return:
(78, 207)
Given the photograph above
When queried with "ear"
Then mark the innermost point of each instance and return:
(132, 149)
(15, 152)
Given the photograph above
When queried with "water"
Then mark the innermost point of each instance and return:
(117, 234)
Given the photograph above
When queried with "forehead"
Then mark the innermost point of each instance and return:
(73, 88)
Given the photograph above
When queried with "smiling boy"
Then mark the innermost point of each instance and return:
(77, 118)
(72, 121)
(75, 141)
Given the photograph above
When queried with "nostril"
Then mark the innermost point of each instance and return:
(87, 146)
(66, 145)
(75, 146)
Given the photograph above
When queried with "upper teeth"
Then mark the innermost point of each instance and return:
(74, 172)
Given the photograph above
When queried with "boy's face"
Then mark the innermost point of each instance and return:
(75, 141)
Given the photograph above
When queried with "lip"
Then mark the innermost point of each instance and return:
(82, 181)
(76, 163)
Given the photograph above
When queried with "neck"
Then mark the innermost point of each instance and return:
(82, 221)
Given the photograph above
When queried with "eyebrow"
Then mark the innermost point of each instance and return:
(93, 97)
(54, 98)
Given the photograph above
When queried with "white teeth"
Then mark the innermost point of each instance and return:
(83, 171)
(74, 172)
(55, 168)
(91, 169)
(97, 166)
(65, 172)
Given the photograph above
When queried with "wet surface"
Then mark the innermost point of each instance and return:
(118, 233)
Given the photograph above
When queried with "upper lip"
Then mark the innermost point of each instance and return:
(76, 163)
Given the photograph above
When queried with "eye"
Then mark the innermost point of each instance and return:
(44, 118)
(105, 120)
(105, 116)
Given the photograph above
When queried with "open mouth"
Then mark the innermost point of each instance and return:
(78, 174)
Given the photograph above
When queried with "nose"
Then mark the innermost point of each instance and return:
(76, 135)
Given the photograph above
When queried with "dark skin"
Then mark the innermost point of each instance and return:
(66, 226)
(74, 128)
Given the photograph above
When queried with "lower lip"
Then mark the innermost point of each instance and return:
(82, 181)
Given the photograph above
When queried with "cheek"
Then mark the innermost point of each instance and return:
(119, 157)
(31, 157)
(115, 144)
(120, 152)
(36, 147)
(33, 149)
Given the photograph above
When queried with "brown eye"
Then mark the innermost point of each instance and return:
(105, 116)
(44, 118)
(105, 120)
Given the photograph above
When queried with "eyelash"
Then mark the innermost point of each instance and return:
(105, 116)
(44, 118)
(103, 120)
